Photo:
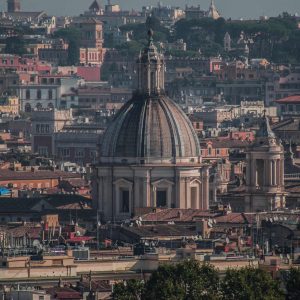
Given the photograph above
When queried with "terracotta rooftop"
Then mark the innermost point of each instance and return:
(236, 218)
(289, 99)
(28, 175)
(176, 214)
(161, 230)
(228, 143)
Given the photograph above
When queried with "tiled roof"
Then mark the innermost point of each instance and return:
(63, 293)
(31, 231)
(236, 218)
(176, 214)
(291, 124)
(55, 202)
(161, 230)
(97, 285)
(292, 187)
(289, 99)
(228, 143)
(23, 175)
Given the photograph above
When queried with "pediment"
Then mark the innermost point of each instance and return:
(162, 181)
(123, 181)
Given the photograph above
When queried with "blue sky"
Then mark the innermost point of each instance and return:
(228, 8)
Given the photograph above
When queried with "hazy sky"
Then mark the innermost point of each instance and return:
(228, 8)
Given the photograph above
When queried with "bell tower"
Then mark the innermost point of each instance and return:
(151, 69)
(265, 172)
(13, 6)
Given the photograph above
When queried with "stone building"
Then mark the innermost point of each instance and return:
(265, 172)
(150, 153)
(91, 42)
(45, 123)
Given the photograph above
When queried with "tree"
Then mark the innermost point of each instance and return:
(72, 36)
(73, 53)
(250, 284)
(130, 290)
(292, 283)
(188, 280)
(15, 45)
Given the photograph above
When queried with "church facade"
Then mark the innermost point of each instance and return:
(150, 154)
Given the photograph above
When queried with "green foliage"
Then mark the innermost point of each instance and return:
(269, 36)
(277, 39)
(139, 31)
(190, 280)
(72, 36)
(250, 284)
(180, 53)
(73, 53)
(130, 290)
(15, 45)
(293, 284)
(131, 48)
(184, 281)
(68, 34)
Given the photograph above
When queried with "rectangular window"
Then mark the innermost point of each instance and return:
(50, 94)
(43, 151)
(27, 94)
(124, 201)
(39, 94)
(161, 198)
(79, 153)
(65, 152)
(194, 197)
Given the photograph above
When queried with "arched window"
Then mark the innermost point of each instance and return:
(39, 106)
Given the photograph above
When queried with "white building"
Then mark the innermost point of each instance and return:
(51, 92)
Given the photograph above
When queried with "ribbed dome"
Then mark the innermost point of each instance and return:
(149, 130)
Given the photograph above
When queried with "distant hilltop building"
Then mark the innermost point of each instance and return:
(13, 6)
(195, 12)
(213, 12)
(15, 14)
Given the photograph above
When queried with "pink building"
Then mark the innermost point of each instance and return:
(22, 64)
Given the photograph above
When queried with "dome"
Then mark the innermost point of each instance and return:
(150, 129)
